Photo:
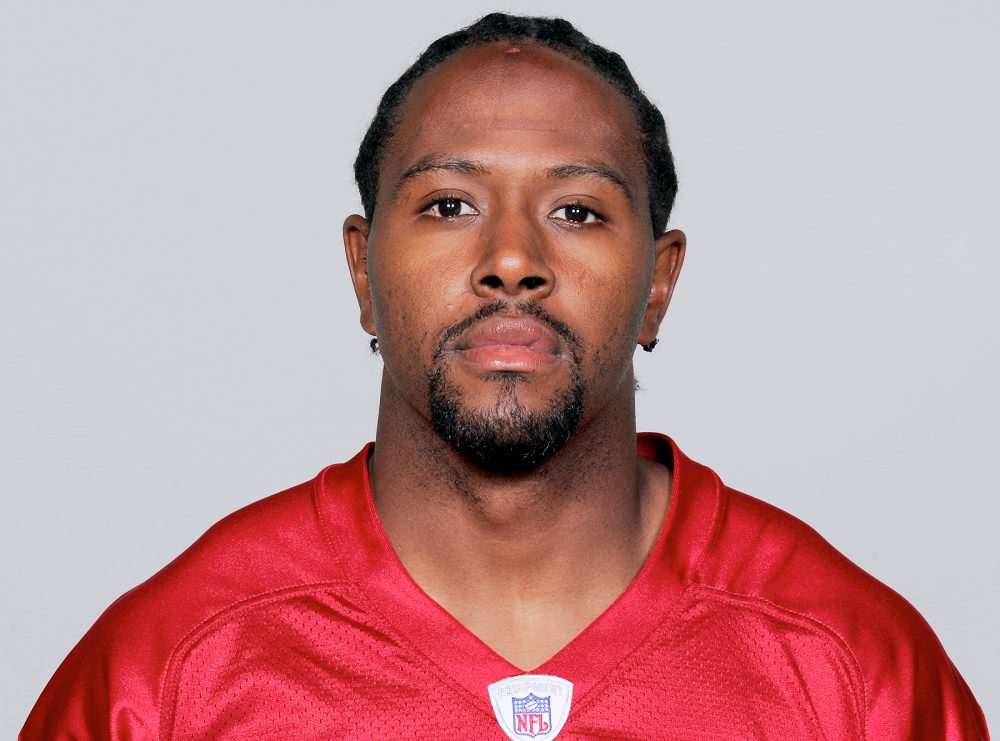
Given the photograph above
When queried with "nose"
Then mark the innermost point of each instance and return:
(513, 261)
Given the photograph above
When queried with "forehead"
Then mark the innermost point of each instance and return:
(508, 98)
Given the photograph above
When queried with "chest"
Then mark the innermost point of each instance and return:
(333, 666)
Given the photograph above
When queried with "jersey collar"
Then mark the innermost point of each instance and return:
(347, 511)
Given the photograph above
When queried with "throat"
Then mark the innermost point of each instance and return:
(527, 637)
(526, 578)
(527, 562)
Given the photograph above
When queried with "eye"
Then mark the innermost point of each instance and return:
(576, 213)
(450, 208)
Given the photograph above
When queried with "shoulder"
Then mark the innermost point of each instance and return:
(269, 545)
(760, 550)
(117, 671)
(772, 559)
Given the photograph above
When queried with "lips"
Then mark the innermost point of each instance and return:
(509, 343)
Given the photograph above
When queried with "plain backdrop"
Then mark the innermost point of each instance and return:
(180, 337)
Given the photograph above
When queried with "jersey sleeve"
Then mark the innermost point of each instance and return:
(112, 684)
(106, 688)
(910, 689)
(914, 690)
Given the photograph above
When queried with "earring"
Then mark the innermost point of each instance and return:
(374, 345)
(648, 347)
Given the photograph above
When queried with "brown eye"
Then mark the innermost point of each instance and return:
(449, 208)
(576, 214)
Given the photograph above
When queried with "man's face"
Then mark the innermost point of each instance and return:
(508, 269)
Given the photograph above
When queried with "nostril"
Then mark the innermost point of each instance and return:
(493, 281)
(532, 282)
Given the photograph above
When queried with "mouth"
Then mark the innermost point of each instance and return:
(505, 343)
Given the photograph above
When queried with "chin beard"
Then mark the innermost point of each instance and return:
(508, 438)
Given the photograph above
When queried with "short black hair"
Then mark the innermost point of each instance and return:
(559, 35)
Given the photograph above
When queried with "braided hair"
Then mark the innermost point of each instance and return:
(559, 35)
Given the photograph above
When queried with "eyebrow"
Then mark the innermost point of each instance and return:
(592, 169)
(564, 171)
(436, 162)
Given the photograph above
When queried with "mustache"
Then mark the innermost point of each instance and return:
(520, 308)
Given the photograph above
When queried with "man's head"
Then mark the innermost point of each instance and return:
(513, 252)
(557, 34)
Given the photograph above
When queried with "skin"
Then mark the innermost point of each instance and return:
(474, 541)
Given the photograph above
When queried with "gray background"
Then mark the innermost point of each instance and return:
(180, 337)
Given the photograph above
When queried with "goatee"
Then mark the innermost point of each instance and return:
(507, 438)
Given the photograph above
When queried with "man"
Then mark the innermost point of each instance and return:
(506, 559)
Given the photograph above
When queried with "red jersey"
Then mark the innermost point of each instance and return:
(294, 619)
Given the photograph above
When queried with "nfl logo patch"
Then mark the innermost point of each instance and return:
(532, 715)
(533, 706)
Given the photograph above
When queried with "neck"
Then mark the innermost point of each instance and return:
(554, 545)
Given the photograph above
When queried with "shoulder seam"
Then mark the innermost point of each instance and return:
(833, 634)
(170, 685)
(721, 503)
(316, 496)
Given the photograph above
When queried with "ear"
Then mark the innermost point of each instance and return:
(356, 230)
(669, 248)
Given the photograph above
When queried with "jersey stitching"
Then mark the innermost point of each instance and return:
(721, 503)
(171, 679)
(590, 695)
(318, 486)
(316, 496)
(838, 639)
(584, 699)
(478, 702)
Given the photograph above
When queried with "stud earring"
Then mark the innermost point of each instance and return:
(374, 345)
(648, 347)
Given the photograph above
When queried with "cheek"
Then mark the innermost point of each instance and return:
(611, 299)
(399, 290)
(403, 320)
(411, 304)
